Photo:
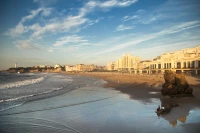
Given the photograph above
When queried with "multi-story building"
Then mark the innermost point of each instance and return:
(80, 67)
(110, 66)
(186, 60)
(68, 68)
(127, 63)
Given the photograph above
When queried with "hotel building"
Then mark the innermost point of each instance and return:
(80, 67)
(127, 63)
(186, 60)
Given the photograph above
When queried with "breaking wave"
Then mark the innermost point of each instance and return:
(21, 83)
(27, 96)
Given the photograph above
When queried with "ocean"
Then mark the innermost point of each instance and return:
(54, 102)
(16, 89)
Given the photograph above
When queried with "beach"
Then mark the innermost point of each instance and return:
(93, 103)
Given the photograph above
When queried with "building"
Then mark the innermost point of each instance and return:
(127, 63)
(68, 68)
(110, 66)
(57, 66)
(42, 66)
(186, 60)
(16, 65)
(80, 67)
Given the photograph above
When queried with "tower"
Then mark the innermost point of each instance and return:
(16, 65)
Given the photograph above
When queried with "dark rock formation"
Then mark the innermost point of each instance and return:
(175, 85)
(166, 108)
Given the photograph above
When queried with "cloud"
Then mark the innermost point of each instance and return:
(32, 14)
(136, 16)
(62, 24)
(167, 31)
(51, 50)
(69, 48)
(26, 45)
(17, 31)
(165, 11)
(92, 22)
(115, 3)
(44, 3)
(122, 27)
(70, 39)
(70, 22)
(20, 28)
(161, 49)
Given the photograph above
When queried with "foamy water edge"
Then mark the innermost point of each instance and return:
(21, 83)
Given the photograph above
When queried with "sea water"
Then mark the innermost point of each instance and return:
(16, 89)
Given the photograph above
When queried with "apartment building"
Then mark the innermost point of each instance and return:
(80, 67)
(110, 66)
(127, 63)
(186, 60)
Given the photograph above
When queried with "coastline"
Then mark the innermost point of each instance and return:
(96, 106)
(147, 88)
(138, 85)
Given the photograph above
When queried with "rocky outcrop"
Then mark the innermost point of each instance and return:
(175, 85)
(165, 108)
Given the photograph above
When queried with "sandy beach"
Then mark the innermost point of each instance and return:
(139, 86)
(102, 103)
(147, 87)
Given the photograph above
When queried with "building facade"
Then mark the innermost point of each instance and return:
(80, 67)
(110, 66)
(127, 63)
(186, 60)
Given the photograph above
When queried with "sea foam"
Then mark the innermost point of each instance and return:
(21, 83)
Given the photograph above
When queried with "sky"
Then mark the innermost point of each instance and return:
(69, 32)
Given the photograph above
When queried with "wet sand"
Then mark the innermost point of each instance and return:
(145, 87)
(141, 87)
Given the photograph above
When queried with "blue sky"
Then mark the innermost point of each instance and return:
(94, 31)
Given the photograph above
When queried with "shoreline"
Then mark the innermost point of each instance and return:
(139, 86)
(104, 107)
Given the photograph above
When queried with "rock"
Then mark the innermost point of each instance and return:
(169, 77)
(175, 84)
(164, 109)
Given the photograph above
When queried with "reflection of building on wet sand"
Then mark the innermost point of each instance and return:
(181, 119)
(180, 113)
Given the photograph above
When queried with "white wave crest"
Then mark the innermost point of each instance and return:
(26, 96)
(12, 106)
(21, 83)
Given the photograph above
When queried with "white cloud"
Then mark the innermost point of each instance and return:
(167, 31)
(70, 39)
(51, 50)
(157, 50)
(21, 28)
(33, 14)
(65, 23)
(138, 14)
(122, 27)
(43, 3)
(115, 3)
(165, 11)
(18, 30)
(26, 45)
(92, 22)
(71, 22)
